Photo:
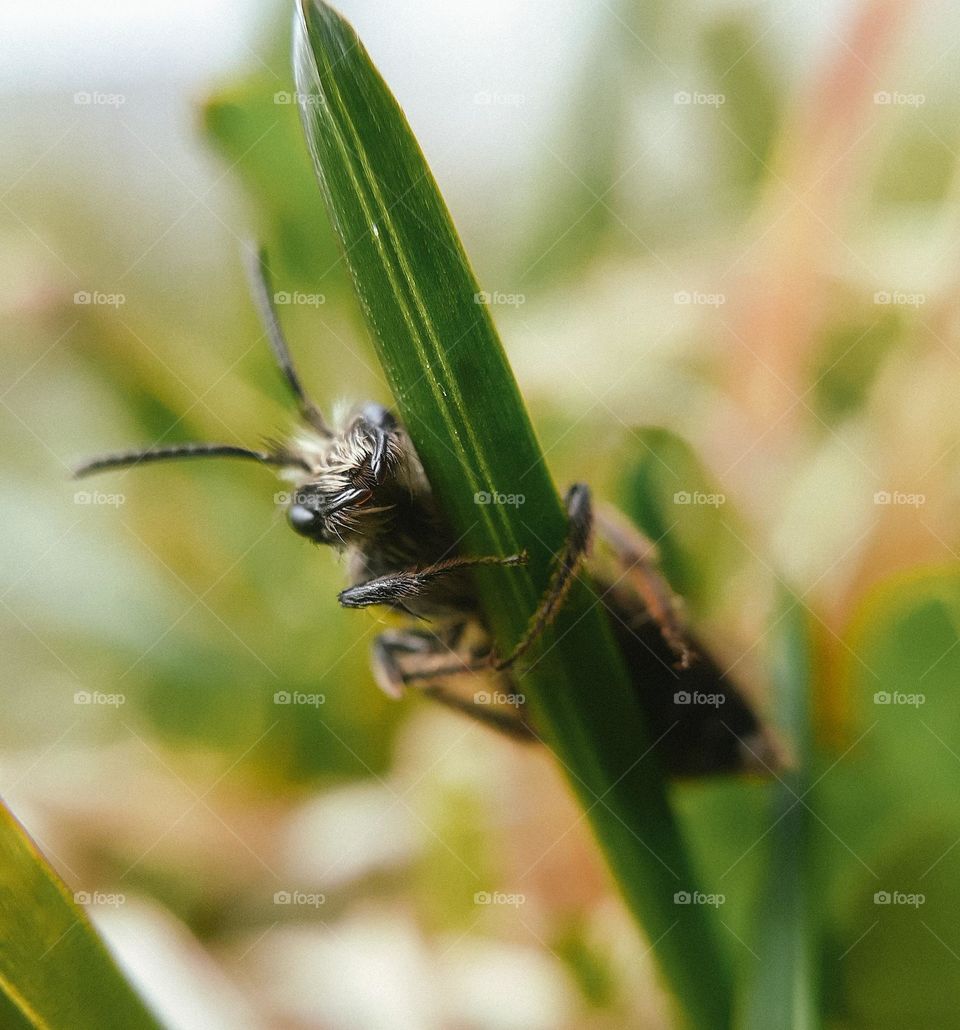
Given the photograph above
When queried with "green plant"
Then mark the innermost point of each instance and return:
(455, 391)
(54, 969)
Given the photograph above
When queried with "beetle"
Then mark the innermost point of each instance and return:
(358, 486)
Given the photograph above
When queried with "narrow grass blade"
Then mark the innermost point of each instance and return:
(54, 969)
(782, 995)
(457, 395)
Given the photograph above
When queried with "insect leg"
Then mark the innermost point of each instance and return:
(403, 656)
(567, 562)
(396, 587)
(636, 556)
(513, 725)
(384, 655)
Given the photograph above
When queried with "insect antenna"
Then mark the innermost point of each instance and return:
(127, 459)
(258, 273)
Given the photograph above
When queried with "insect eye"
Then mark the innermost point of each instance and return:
(302, 519)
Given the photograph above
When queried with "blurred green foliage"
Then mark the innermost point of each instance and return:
(192, 598)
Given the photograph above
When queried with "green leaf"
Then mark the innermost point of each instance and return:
(782, 994)
(458, 398)
(849, 356)
(745, 78)
(253, 123)
(54, 969)
(893, 800)
(667, 490)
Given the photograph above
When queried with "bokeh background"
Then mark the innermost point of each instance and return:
(722, 244)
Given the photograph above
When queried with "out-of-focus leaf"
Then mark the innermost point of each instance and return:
(848, 358)
(891, 801)
(667, 491)
(734, 55)
(54, 969)
(782, 992)
(461, 405)
(920, 162)
(255, 126)
(581, 214)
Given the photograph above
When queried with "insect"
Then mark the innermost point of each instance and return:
(357, 485)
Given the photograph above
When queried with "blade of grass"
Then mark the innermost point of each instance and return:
(461, 405)
(54, 969)
(783, 994)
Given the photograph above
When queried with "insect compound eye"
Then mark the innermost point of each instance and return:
(303, 520)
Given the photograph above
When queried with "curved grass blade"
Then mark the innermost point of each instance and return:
(460, 402)
(54, 969)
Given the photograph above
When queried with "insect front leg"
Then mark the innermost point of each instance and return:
(566, 565)
(397, 588)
